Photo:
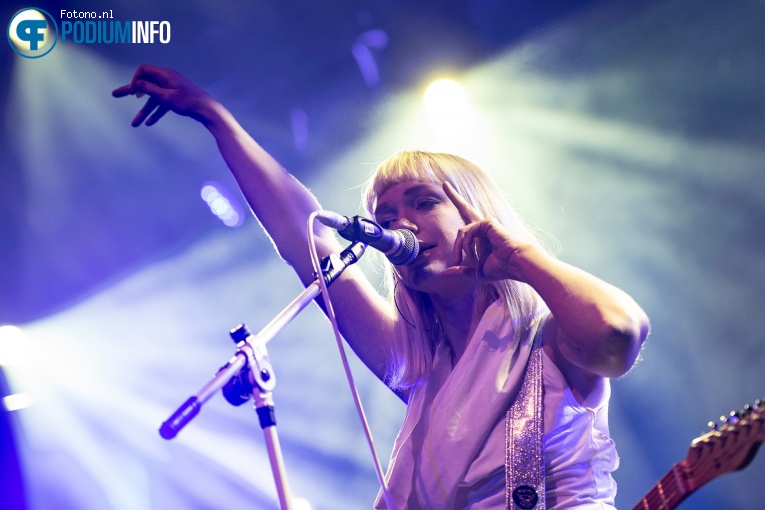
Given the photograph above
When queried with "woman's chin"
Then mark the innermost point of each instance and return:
(432, 278)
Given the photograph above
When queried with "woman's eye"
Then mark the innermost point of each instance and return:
(427, 204)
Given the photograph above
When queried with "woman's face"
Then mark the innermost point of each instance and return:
(424, 208)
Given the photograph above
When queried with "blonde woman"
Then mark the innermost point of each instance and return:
(502, 352)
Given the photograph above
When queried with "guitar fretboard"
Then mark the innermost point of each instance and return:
(668, 493)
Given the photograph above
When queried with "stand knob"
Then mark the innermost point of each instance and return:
(240, 333)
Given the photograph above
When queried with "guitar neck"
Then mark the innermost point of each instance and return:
(671, 490)
(721, 450)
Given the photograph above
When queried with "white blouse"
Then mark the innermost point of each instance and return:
(450, 451)
(579, 454)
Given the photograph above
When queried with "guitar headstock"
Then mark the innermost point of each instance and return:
(728, 446)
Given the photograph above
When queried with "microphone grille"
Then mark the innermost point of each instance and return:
(407, 251)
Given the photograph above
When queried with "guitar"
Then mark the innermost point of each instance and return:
(730, 446)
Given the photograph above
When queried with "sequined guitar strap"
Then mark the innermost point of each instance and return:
(524, 461)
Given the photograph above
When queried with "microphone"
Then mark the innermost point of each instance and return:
(400, 246)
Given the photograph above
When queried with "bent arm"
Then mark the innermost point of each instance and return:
(600, 327)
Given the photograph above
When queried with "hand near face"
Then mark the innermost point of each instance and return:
(484, 250)
(168, 90)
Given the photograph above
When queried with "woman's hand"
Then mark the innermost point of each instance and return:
(485, 250)
(168, 90)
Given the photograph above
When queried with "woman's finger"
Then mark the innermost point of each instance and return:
(483, 250)
(162, 110)
(463, 243)
(468, 213)
(151, 89)
(144, 112)
(122, 91)
(469, 244)
(457, 250)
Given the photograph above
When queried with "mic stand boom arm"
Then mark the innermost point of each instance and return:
(250, 369)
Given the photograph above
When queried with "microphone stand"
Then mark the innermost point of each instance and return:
(249, 371)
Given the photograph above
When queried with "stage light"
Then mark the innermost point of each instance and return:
(15, 348)
(454, 121)
(445, 95)
(376, 39)
(222, 204)
(17, 401)
(301, 504)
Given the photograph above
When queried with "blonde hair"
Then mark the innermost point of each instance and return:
(419, 333)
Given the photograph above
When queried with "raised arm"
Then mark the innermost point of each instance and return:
(280, 202)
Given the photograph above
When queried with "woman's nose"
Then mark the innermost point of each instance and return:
(404, 223)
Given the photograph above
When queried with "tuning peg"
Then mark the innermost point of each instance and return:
(746, 411)
(723, 420)
(712, 425)
(758, 403)
(734, 417)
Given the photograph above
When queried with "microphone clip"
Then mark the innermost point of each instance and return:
(362, 230)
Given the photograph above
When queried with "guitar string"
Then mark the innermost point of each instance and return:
(664, 492)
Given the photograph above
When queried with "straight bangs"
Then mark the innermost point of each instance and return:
(400, 167)
(472, 183)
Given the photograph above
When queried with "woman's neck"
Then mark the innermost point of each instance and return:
(458, 318)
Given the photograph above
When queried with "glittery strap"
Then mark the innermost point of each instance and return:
(524, 461)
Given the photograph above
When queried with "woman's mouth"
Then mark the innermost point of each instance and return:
(423, 249)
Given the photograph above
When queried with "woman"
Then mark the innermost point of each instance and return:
(478, 332)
